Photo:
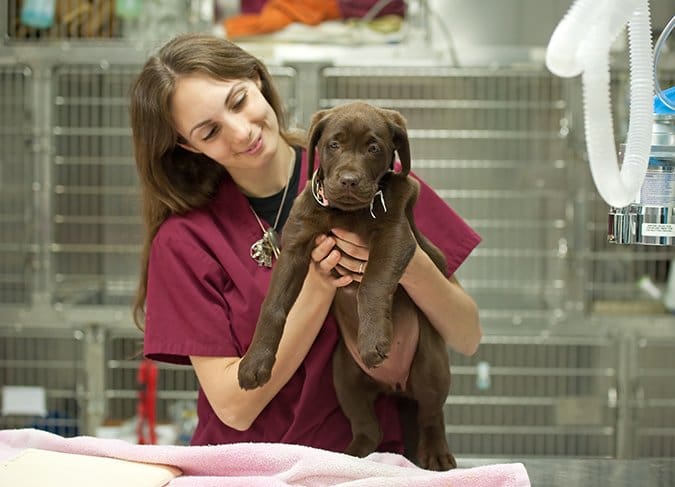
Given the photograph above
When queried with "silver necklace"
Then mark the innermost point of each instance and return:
(266, 249)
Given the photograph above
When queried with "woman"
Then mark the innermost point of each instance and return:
(218, 169)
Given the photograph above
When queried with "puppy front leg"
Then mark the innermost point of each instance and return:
(390, 252)
(255, 368)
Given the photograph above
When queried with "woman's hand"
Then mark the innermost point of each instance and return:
(354, 254)
(324, 258)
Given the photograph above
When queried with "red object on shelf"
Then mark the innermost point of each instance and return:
(147, 399)
(277, 14)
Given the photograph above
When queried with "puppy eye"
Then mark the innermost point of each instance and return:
(333, 145)
(373, 148)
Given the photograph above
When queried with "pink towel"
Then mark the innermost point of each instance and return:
(269, 464)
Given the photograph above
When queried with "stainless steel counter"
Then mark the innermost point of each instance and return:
(572, 472)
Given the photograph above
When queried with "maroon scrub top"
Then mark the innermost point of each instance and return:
(204, 296)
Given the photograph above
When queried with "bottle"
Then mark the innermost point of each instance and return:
(128, 9)
(483, 381)
(38, 13)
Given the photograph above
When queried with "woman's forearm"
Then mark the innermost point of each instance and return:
(218, 376)
(447, 306)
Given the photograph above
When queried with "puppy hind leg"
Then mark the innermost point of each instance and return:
(430, 383)
(433, 452)
(356, 394)
(408, 412)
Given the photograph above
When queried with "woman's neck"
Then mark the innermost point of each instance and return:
(270, 179)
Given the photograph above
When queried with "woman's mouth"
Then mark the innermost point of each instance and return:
(255, 147)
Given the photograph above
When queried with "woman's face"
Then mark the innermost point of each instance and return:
(229, 121)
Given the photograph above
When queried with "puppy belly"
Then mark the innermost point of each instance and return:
(394, 370)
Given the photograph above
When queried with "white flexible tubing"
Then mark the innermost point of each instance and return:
(581, 44)
(562, 57)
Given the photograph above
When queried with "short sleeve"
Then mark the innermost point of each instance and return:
(444, 227)
(186, 312)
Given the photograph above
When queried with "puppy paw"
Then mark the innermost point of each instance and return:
(255, 371)
(361, 446)
(374, 352)
(437, 461)
(433, 452)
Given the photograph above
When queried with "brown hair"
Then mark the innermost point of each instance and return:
(173, 179)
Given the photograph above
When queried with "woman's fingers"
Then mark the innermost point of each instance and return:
(342, 281)
(354, 251)
(348, 236)
(343, 271)
(351, 244)
(343, 253)
(324, 246)
(330, 261)
(350, 264)
(330, 264)
(326, 257)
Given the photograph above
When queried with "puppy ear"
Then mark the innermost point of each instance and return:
(399, 131)
(315, 130)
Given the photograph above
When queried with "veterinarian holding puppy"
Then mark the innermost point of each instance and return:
(219, 171)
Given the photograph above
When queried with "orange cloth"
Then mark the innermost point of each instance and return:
(277, 14)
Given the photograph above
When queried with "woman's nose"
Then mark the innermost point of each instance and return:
(237, 130)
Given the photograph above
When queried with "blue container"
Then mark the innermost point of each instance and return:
(661, 108)
(38, 13)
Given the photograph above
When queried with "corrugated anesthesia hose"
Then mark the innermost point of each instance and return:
(581, 45)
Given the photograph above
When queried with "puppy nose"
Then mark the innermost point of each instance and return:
(349, 180)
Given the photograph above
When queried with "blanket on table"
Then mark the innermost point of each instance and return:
(268, 464)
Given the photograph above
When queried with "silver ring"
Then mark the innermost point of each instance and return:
(361, 268)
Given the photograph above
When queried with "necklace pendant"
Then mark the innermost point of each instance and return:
(265, 250)
(261, 253)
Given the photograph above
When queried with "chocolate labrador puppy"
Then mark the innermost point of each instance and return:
(388, 345)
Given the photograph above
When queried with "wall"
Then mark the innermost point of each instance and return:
(506, 31)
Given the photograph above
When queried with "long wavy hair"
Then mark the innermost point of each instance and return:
(174, 180)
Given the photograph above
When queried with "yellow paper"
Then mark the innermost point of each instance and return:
(37, 468)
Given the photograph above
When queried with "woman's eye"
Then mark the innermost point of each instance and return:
(239, 100)
(210, 133)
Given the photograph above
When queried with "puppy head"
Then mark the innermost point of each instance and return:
(356, 143)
